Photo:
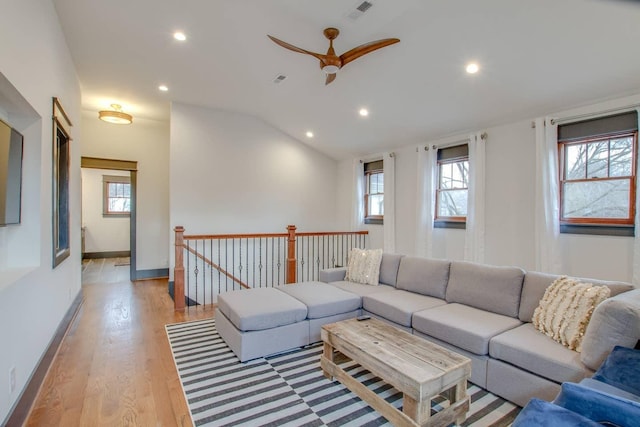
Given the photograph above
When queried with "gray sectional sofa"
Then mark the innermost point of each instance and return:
(483, 312)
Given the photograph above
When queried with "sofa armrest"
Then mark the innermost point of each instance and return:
(329, 275)
(615, 321)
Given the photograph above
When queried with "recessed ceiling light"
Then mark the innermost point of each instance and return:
(472, 68)
(309, 134)
(178, 35)
(163, 88)
(363, 112)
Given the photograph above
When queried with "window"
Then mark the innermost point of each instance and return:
(61, 162)
(373, 192)
(597, 161)
(117, 195)
(452, 186)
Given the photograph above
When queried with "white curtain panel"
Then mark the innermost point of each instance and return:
(425, 195)
(636, 241)
(474, 235)
(389, 165)
(357, 199)
(547, 210)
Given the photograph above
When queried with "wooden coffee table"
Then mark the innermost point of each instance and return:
(418, 368)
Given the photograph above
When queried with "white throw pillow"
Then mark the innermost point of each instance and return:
(364, 266)
(566, 308)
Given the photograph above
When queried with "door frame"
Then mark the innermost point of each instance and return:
(132, 167)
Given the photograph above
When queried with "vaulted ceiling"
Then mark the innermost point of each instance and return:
(535, 57)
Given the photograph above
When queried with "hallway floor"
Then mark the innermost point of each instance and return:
(114, 366)
(105, 270)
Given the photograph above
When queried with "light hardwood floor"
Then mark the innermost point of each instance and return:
(114, 366)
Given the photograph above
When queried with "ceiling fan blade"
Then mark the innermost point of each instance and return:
(330, 78)
(295, 48)
(363, 49)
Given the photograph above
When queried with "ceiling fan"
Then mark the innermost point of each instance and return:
(330, 63)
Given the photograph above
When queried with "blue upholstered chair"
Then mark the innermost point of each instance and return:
(621, 369)
(539, 413)
(606, 388)
(599, 406)
(577, 405)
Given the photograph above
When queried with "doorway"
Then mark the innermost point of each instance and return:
(108, 217)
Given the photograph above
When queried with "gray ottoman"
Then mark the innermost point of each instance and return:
(325, 304)
(259, 322)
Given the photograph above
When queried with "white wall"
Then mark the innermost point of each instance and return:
(34, 297)
(102, 233)
(233, 173)
(146, 142)
(509, 228)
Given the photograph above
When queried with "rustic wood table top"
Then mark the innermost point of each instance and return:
(418, 368)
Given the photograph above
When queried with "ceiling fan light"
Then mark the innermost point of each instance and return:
(330, 69)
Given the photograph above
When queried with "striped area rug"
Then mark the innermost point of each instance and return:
(288, 389)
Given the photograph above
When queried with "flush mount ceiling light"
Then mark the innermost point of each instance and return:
(363, 112)
(115, 116)
(163, 88)
(309, 134)
(472, 68)
(180, 36)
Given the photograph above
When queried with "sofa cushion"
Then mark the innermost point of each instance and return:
(260, 308)
(479, 363)
(329, 275)
(616, 321)
(322, 299)
(389, 268)
(496, 289)
(424, 276)
(526, 348)
(535, 284)
(466, 327)
(360, 289)
(398, 305)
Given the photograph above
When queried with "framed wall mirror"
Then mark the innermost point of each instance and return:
(60, 179)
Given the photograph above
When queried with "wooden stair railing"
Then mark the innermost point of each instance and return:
(289, 241)
(178, 270)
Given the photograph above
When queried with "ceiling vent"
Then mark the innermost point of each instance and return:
(279, 78)
(360, 10)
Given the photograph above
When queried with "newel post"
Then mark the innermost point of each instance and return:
(178, 270)
(291, 254)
